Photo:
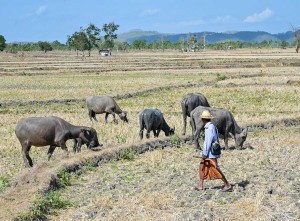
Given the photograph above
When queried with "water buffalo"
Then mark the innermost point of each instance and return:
(53, 131)
(104, 104)
(153, 119)
(190, 102)
(223, 120)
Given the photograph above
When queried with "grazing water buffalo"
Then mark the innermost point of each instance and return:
(190, 102)
(104, 104)
(153, 119)
(223, 120)
(53, 131)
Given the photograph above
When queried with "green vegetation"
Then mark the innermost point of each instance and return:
(45, 46)
(2, 43)
(121, 138)
(89, 38)
(221, 77)
(45, 205)
(175, 140)
(64, 178)
(110, 34)
(127, 154)
(90, 166)
(4, 183)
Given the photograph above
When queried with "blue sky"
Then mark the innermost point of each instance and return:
(49, 20)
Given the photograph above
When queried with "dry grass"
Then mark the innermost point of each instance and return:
(255, 90)
(159, 185)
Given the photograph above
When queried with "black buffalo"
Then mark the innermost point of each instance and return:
(107, 105)
(190, 102)
(53, 131)
(153, 120)
(78, 142)
(223, 120)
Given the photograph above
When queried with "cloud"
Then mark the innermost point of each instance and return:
(149, 12)
(41, 9)
(192, 23)
(217, 20)
(225, 19)
(258, 17)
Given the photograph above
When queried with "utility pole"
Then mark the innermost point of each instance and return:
(204, 36)
(162, 43)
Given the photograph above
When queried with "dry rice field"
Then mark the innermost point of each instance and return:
(260, 87)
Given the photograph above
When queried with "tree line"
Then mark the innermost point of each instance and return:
(88, 39)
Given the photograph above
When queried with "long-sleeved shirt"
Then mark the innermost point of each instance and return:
(209, 137)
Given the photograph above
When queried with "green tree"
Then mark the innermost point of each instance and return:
(2, 43)
(56, 45)
(110, 34)
(93, 36)
(284, 44)
(79, 41)
(139, 44)
(121, 45)
(12, 48)
(25, 47)
(45, 46)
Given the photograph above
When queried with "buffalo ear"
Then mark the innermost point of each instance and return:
(86, 129)
(244, 132)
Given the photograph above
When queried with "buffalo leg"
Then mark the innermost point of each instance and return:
(148, 130)
(184, 124)
(27, 159)
(148, 134)
(141, 134)
(50, 151)
(106, 116)
(75, 145)
(155, 133)
(196, 138)
(92, 115)
(141, 127)
(63, 146)
(226, 140)
(79, 144)
(114, 116)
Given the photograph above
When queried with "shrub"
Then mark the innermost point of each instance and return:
(175, 140)
(127, 154)
(44, 206)
(121, 138)
(90, 166)
(221, 77)
(64, 178)
(4, 183)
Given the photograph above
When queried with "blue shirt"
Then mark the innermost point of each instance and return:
(209, 137)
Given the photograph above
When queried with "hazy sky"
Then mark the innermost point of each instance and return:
(49, 20)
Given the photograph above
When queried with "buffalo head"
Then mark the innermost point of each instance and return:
(123, 116)
(240, 138)
(91, 138)
(170, 132)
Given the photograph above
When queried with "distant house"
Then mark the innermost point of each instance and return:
(104, 52)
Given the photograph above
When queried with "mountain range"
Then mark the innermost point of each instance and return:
(211, 37)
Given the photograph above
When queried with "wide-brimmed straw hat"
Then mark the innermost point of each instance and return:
(206, 115)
